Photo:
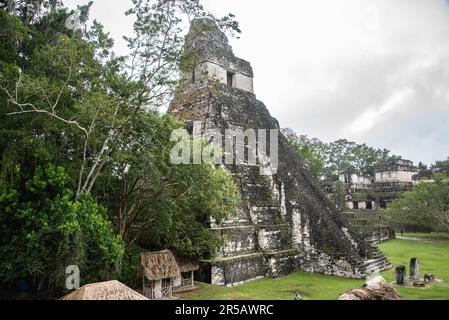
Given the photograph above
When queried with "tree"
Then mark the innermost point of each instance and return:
(422, 167)
(44, 230)
(308, 154)
(329, 160)
(157, 47)
(78, 82)
(426, 206)
(70, 87)
(69, 101)
(29, 10)
(203, 194)
(442, 164)
(150, 198)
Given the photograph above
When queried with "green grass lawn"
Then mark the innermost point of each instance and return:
(310, 286)
(433, 256)
(430, 236)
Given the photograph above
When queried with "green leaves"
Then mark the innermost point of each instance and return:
(44, 230)
(329, 160)
(158, 204)
(76, 130)
(426, 207)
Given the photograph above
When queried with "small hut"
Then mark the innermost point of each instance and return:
(109, 290)
(185, 280)
(159, 271)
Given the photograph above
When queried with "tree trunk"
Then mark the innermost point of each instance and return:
(10, 6)
(53, 5)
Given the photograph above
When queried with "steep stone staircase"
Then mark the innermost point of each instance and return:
(377, 262)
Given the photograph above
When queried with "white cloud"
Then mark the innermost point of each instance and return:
(373, 115)
(374, 71)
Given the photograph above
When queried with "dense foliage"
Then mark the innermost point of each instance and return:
(158, 204)
(426, 207)
(44, 230)
(85, 173)
(329, 160)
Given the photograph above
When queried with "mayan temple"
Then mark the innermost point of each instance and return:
(285, 222)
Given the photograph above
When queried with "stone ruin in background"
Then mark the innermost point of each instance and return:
(365, 197)
(390, 181)
(285, 222)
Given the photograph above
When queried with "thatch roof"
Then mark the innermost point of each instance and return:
(159, 265)
(186, 264)
(109, 290)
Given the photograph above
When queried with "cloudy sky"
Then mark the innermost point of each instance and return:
(374, 71)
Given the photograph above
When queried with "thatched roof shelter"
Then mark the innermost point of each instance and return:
(159, 265)
(109, 290)
(186, 264)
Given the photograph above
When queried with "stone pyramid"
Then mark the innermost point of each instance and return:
(285, 222)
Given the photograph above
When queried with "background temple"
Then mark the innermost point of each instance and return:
(390, 181)
(365, 196)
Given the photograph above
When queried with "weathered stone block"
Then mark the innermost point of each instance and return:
(414, 268)
(401, 275)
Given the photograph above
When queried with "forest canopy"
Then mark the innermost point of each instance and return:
(328, 160)
(85, 173)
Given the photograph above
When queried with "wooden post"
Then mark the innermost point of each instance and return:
(171, 287)
(157, 289)
(191, 277)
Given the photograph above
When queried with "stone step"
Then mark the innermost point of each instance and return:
(274, 253)
(265, 215)
(373, 262)
(232, 258)
(280, 226)
(378, 266)
(291, 251)
(377, 269)
(232, 227)
(378, 263)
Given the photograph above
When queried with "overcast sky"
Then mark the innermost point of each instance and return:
(374, 71)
